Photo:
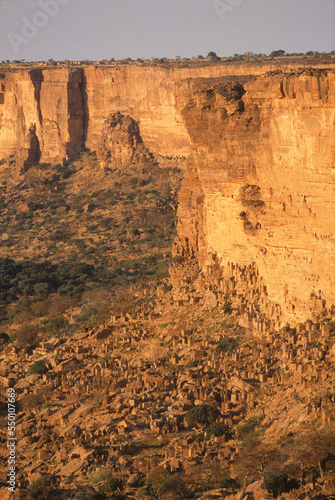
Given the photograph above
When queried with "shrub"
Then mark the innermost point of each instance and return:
(247, 430)
(60, 234)
(227, 309)
(158, 487)
(227, 482)
(149, 490)
(4, 338)
(217, 429)
(29, 349)
(42, 290)
(112, 484)
(88, 314)
(278, 482)
(227, 344)
(133, 181)
(173, 484)
(43, 487)
(39, 368)
(91, 494)
(202, 415)
(195, 363)
(55, 325)
(62, 171)
(26, 335)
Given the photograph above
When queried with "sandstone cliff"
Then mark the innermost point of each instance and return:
(42, 116)
(258, 192)
(49, 113)
(259, 188)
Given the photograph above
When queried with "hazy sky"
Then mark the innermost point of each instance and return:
(102, 29)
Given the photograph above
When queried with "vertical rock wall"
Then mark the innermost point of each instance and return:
(42, 115)
(260, 185)
(67, 106)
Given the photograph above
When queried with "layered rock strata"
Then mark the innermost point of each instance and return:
(65, 108)
(42, 115)
(259, 187)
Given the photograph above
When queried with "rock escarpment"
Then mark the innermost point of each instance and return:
(258, 196)
(67, 106)
(257, 203)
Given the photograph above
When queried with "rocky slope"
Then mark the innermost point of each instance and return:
(109, 408)
(182, 384)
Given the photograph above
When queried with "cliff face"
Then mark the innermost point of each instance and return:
(258, 191)
(50, 113)
(42, 114)
(259, 188)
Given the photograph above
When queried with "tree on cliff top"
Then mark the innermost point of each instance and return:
(213, 56)
(277, 53)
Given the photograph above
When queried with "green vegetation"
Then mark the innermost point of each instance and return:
(228, 482)
(159, 486)
(227, 344)
(202, 415)
(107, 483)
(65, 244)
(218, 429)
(26, 335)
(227, 308)
(43, 488)
(88, 315)
(54, 325)
(39, 368)
(200, 60)
(195, 363)
(278, 483)
(39, 279)
(249, 431)
(91, 494)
